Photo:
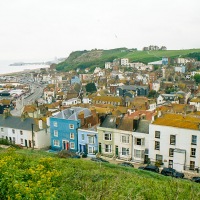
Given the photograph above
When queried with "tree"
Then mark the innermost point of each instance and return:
(90, 87)
(77, 87)
(197, 78)
(152, 94)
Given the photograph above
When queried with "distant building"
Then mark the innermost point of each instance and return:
(75, 79)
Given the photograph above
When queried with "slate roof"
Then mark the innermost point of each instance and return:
(17, 123)
(72, 113)
(109, 122)
(143, 126)
(132, 87)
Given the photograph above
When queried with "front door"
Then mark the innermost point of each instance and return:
(99, 147)
(29, 143)
(65, 145)
(116, 151)
(25, 143)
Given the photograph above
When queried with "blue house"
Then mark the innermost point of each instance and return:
(75, 79)
(64, 128)
(88, 141)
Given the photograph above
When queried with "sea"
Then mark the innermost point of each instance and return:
(6, 68)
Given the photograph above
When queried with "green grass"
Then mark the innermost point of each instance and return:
(26, 174)
(84, 59)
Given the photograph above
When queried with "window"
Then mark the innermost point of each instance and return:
(82, 136)
(172, 139)
(139, 153)
(14, 140)
(71, 126)
(55, 124)
(159, 158)
(56, 143)
(72, 136)
(193, 152)
(192, 165)
(170, 164)
(125, 151)
(2, 130)
(107, 136)
(157, 134)
(91, 140)
(90, 150)
(22, 141)
(125, 139)
(108, 148)
(171, 152)
(55, 133)
(21, 132)
(194, 139)
(13, 131)
(72, 146)
(157, 145)
(139, 141)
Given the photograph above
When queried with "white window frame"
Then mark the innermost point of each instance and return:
(56, 143)
(92, 138)
(138, 153)
(90, 150)
(71, 126)
(72, 145)
(2, 130)
(55, 133)
(21, 132)
(109, 136)
(82, 137)
(72, 136)
(171, 152)
(125, 139)
(194, 140)
(55, 124)
(22, 141)
(108, 148)
(13, 131)
(125, 151)
(157, 145)
(193, 152)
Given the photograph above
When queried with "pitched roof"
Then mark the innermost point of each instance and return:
(17, 123)
(179, 121)
(72, 113)
(108, 99)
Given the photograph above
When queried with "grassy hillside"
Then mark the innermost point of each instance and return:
(97, 58)
(35, 175)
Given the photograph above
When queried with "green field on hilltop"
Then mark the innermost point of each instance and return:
(26, 174)
(97, 58)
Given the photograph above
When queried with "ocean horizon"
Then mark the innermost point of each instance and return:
(5, 67)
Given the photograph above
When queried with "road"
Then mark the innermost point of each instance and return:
(27, 100)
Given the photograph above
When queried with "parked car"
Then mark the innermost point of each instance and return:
(99, 160)
(172, 172)
(126, 164)
(196, 179)
(151, 168)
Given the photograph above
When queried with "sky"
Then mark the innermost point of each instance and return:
(40, 30)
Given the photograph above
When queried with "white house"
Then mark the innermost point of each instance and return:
(156, 86)
(196, 102)
(174, 141)
(124, 61)
(25, 131)
(73, 101)
(162, 98)
(108, 65)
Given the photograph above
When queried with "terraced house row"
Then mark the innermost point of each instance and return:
(170, 140)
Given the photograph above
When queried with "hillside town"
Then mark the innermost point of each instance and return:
(126, 111)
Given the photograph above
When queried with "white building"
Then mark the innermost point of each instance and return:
(73, 101)
(174, 141)
(108, 65)
(124, 61)
(196, 102)
(156, 86)
(19, 131)
(163, 98)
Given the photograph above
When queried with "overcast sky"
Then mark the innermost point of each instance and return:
(43, 29)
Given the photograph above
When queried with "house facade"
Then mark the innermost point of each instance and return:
(64, 127)
(28, 132)
(88, 142)
(174, 141)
